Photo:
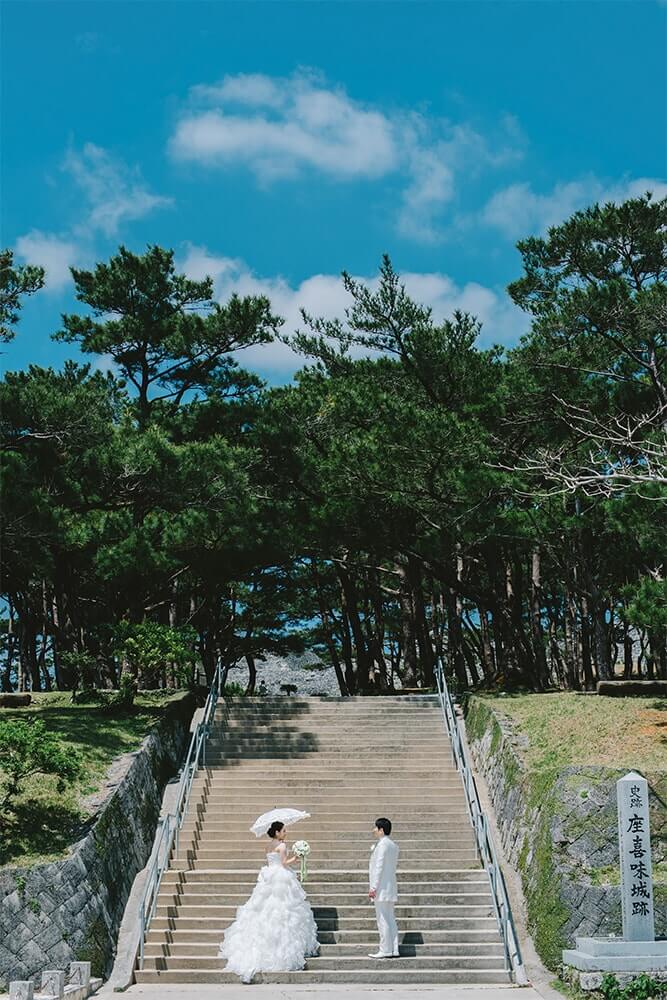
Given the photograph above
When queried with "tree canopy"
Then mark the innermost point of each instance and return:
(409, 496)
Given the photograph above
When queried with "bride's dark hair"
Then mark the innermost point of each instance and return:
(275, 828)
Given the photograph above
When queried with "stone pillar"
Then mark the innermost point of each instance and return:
(21, 990)
(53, 983)
(79, 974)
(634, 843)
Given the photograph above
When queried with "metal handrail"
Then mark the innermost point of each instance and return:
(485, 846)
(171, 823)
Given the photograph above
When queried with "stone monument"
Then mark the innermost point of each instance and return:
(637, 951)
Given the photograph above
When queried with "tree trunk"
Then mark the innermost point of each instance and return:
(627, 652)
(408, 630)
(488, 657)
(426, 657)
(349, 599)
(28, 653)
(327, 629)
(6, 683)
(585, 647)
(572, 660)
(457, 666)
(539, 652)
(252, 674)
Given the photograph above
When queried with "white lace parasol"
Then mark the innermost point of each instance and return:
(286, 816)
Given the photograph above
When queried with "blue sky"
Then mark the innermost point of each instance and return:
(274, 144)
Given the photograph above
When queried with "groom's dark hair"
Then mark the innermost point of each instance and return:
(383, 824)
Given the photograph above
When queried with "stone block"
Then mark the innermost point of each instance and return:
(21, 990)
(618, 946)
(53, 983)
(590, 981)
(79, 973)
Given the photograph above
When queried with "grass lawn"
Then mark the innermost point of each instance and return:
(565, 729)
(47, 821)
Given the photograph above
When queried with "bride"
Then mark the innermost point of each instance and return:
(275, 930)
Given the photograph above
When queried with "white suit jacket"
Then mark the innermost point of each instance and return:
(382, 870)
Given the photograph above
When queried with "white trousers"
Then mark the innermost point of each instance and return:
(387, 928)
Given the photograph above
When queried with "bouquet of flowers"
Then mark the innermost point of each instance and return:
(302, 850)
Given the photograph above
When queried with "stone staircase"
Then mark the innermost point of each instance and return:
(346, 762)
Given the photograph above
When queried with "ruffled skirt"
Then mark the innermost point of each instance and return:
(274, 931)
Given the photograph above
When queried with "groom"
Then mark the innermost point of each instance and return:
(383, 890)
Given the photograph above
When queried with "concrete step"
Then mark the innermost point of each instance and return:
(325, 815)
(369, 732)
(328, 818)
(316, 741)
(363, 807)
(324, 788)
(344, 770)
(332, 754)
(327, 848)
(337, 900)
(194, 963)
(430, 881)
(184, 948)
(458, 860)
(297, 713)
(373, 977)
(337, 914)
(463, 925)
(415, 858)
(312, 706)
(484, 940)
(445, 830)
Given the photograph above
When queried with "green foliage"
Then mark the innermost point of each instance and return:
(28, 748)
(15, 282)
(647, 603)
(45, 821)
(643, 987)
(167, 335)
(379, 509)
(124, 696)
(148, 646)
(233, 690)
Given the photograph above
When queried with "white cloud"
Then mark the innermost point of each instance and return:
(518, 211)
(115, 192)
(281, 127)
(324, 295)
(431, 187)
(54, 253)
(312, 128)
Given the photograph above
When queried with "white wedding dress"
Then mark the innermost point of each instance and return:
(275, 930)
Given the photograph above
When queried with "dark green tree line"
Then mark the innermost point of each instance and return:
(409, 496)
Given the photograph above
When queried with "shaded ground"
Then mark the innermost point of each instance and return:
(47, 821)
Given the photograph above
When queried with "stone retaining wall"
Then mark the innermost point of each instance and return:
(559, 829)
(71, 910)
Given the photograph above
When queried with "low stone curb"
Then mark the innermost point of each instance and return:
(55, 987)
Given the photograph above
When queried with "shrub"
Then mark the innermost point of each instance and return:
(641, 988)
(27, 748)
(233, 690)
(148, 646)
